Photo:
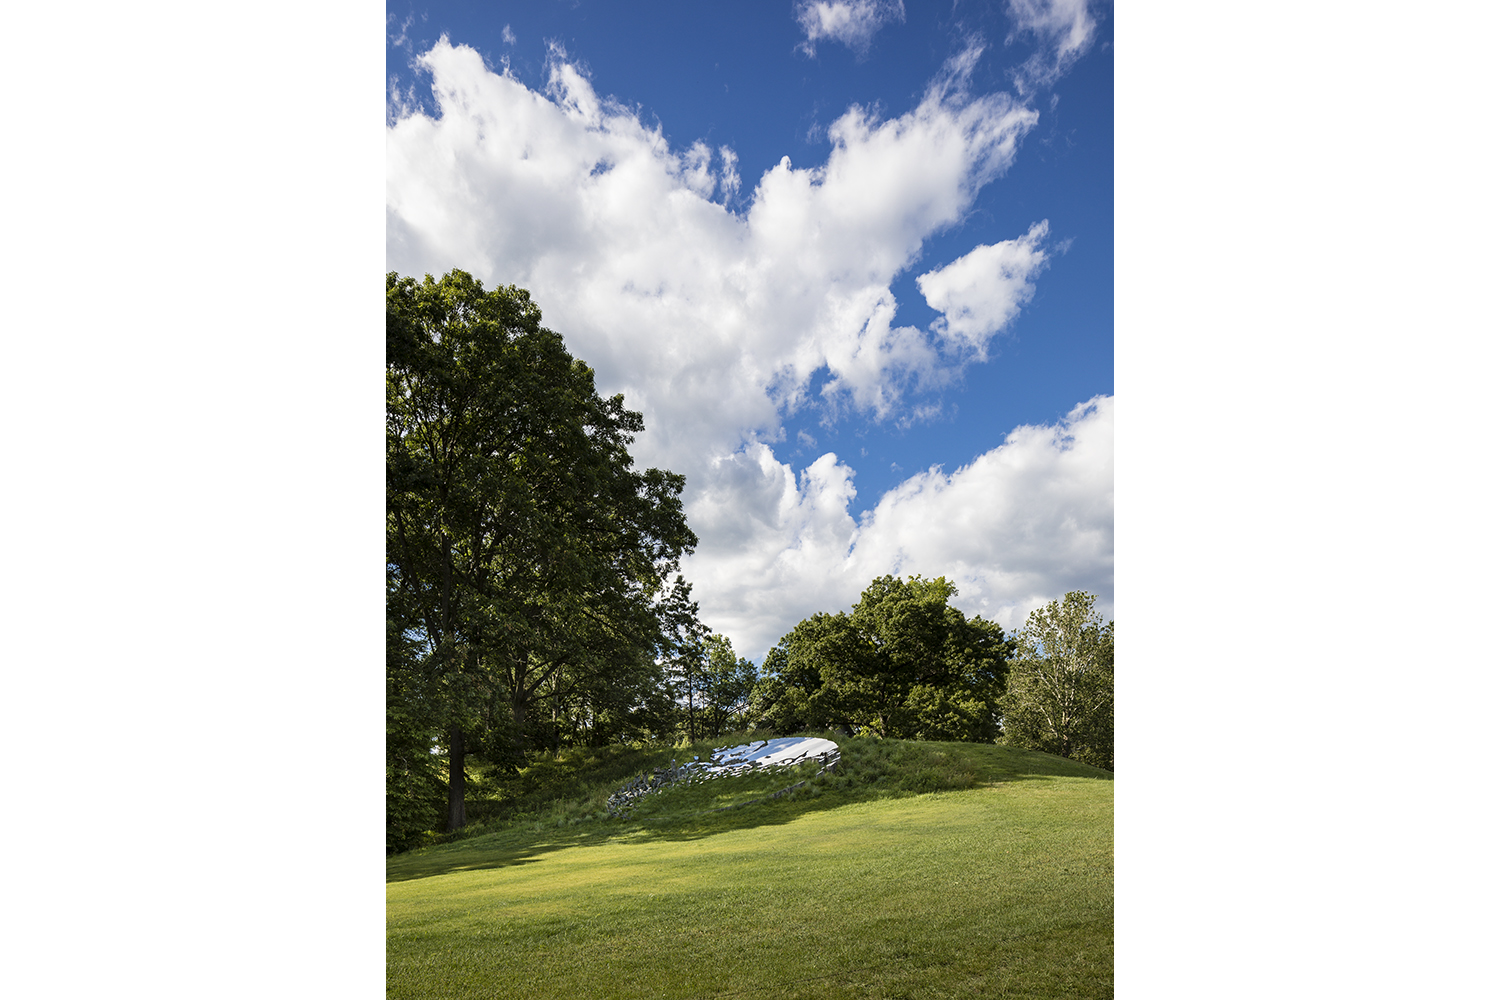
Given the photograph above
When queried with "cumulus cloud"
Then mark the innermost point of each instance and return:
(982, 291)
(1065, 29)
(712, 322)
(1021, 525)
(853, 22)
(716, 311)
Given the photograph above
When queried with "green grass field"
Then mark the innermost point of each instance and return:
(915, 870)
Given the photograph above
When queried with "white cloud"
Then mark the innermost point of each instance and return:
(853, 22)
(1064, 27)
(1022, 524)
(729, 177)
(982, 291)
(713, 321)
(400, 40)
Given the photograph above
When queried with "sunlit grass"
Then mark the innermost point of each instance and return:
(1000, 886)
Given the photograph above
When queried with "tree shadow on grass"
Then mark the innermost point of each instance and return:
(685, 827)
(505, 849)
(520, 846)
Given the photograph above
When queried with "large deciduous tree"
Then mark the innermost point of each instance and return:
(903, 663)
(531, 559)
(1061, 693)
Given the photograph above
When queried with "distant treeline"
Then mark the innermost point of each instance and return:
(905, 664)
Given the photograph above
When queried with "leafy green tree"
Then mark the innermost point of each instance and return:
(685, 669)
(903, 663)
(725, 684)
(532, 558)
(634, 700)
(415, 788)
(779, 699)
(1061, 695)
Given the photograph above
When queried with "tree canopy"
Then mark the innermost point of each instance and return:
(1061, 695)
(903, 663)
(530, 566)
(719, 685)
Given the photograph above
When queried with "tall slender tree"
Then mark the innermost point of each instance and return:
(1061, 697)
(728, 682)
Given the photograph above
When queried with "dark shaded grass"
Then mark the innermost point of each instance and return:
(559, 801)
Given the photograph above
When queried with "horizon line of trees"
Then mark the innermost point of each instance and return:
(905, 664)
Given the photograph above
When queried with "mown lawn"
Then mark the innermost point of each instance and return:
(1004, 889)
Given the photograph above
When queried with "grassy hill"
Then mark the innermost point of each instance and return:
(914, 870)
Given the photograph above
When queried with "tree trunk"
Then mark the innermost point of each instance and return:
(455, 779)
(520, 744)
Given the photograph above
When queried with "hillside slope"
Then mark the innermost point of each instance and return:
(917, 870)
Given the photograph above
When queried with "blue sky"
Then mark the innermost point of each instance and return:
(854, 261)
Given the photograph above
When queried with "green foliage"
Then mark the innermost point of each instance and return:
(415, 789)
(936, 713)
(728, 681)
(531, 566)
(714, 686)
(902, 664)
(415, 792)
(1061, 697)
(779, 700)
